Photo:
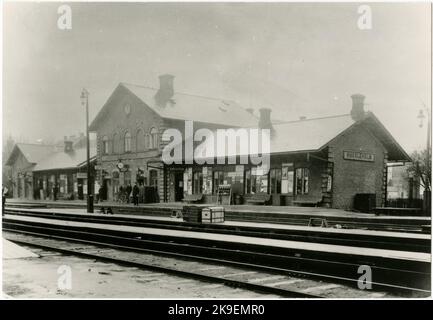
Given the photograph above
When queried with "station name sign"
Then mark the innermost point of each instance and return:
(358, 156)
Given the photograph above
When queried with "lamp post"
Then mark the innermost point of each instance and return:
(85, 101)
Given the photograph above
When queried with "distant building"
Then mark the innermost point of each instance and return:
(63, 174)
(22, 160)
(37, 169)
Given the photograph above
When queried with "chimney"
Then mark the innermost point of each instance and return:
(166, 91)
(68, 146)
(250, 110)
(265, 118)
(357, 111)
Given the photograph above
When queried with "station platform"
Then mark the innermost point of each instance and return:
(245, 240)
(289, 215)
(14, 251)
(241, 224)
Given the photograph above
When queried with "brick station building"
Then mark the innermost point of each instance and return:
(326, 160)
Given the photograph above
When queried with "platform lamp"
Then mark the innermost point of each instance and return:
(85, 101)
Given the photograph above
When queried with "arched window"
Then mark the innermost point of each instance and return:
(154, 138)
(140, 140)
(116, 143)
(105, 145)
(127, 142)
(147, 141)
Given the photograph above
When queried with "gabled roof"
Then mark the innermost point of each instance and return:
(32, 152)
(312, 135)
(184, 106)
(63, 160)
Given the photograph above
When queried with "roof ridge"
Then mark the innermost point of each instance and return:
(35, 144)
(310, 119)
(183, 93)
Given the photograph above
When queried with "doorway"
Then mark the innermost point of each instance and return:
(178, 186)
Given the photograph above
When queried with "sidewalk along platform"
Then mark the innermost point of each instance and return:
(14, 251)
(261, 214)
(237, 225)
(235, 239)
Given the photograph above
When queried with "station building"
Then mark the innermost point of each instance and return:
(37, 169)
(326, 161)
(130, 125)
(65, 173)
(22, 160)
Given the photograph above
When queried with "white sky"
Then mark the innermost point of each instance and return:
(299, 59)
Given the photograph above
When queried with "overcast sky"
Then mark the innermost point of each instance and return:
(298, 59)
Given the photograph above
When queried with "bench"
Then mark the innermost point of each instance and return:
(259, 198)
(392, 211)
(193, 198)
(308, 203)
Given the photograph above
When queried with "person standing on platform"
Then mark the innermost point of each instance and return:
(135, 192)
(101, 193)
(141, 193)
(128, 192)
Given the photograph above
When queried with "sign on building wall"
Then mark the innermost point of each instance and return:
(358, 156)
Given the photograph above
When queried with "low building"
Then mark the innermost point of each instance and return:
(22, 160)
(63, 174)
(325, 160)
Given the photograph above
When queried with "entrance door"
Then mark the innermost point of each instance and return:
(178, 186)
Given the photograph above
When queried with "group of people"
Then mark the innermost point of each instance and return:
(136, 192)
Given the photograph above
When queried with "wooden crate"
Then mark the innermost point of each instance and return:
(212, 215)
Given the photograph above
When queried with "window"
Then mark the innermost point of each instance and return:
(197, 182)
(127, 143)
(248, 181)
(218, 178)
(140, 140)
(302, 177)
(258, 182)
(153, 178)
(127, 178)
(275, 180)
(116, 143)
(105, 145)
(147, 141)
(154, 138)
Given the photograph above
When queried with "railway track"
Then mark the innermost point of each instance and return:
(366, 239)
(420, 225)
(254, 279)
(410, 278)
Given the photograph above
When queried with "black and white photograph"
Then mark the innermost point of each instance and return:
(237, 151)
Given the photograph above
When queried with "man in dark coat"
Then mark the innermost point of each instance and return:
(135, 193)
(128, 191)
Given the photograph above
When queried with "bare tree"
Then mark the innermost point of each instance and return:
(420, 169)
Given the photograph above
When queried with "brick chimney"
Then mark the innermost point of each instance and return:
(265, 118)
(357, 111)
(68, 145)
(166, 91)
